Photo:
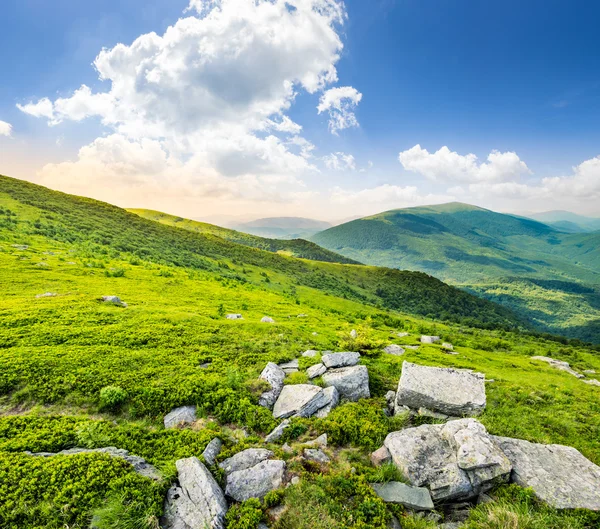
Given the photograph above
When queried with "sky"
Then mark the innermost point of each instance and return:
(312, 108)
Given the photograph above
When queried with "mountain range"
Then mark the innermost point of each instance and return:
(548, 276)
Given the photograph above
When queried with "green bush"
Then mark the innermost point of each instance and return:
(246, 515)
(112, 398)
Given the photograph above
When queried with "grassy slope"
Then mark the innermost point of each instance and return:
(296, 248)
(488, 253)
(57, 353)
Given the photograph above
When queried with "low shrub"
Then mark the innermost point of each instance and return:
(112, 398)
(246, 515)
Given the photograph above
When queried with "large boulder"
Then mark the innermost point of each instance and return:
(454, 392)
(256, 481)
(181, 415)
(558, 364)
(275, 376)
(197, 501)
(245, 459)
(333, 398)
(415, 498)
(302, 400)
(340, 359)
(559, 475)
(455, 461)
(352, 383)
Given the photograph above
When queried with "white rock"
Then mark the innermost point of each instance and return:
(430, 339)
(315, 371)
(212, 450)
(275, 376)
(255, 482)
(352, 383)
(320, 441)
(311, 353)
(234, 317)
(277, 432)
(592, 382)
(415, 498)
(299, 399)
(453, 392)
(47, 295)
(290, 367)
(394, 349)
(340, 359)
(558, 364)
(316, 455)
(353, 334)
(332, 397)
(267, 319)
(181, 415)
(245, 459)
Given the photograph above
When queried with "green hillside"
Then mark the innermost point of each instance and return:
(502, 257)
(295, 248)
(77, 372)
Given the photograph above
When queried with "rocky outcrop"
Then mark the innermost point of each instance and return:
(245, 459)
(558, 364)
(333, 398)
(352, 383)
(559, 475)
(197, 501)
(302, 400)
(256, 481)
(455, 461)
(275, 376)
(394, 349)
(333, 360)
(415, 498)
(179, 416)
(453, 392)
(212, 450)
(139, 464)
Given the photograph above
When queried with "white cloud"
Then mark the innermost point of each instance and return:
(5, 129)
(339, 161)
(584, 183)
(447, 165)
(211, 93)
(340, 103)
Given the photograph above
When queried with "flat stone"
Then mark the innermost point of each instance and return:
(589, 371)
(381, 456)
(234, 317)
(412, 347)
(394, 349)
(197, 502)
(320, 441)
(340, 359)
(316, 455)
(256, 481)
(267, 319)
(181, 415)
(456, 461)
(311, 353)
(430, 339)
(299, 399)
(448, 346)
(454, 392)
(332, 397)
(592, 382)
(559, 475)
(277, 432)
(290, 367)
(115, 300)
(245, 459)
(558, 364)
(212, 450)
(315, 371)
(47, 295)
(402, 334)
(275, 376)
(352, 383)
(424, 412)
(415, 498)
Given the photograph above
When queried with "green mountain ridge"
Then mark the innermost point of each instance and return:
(484, 251)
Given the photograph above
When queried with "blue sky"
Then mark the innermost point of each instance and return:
(455, 78)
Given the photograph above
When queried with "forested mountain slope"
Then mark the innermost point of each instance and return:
(548, 276)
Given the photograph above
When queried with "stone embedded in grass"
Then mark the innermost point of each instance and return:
(353, 334)
(311, 353)
(415, 498)
(319, 441)
(558, 364)
(181, 415)
(212, 450)
(340, 359)
(47, 295)
(290, 367)
(456, 461)
(352, 383)
(234, 317)
(402, 334)
(316, 455)
(316, 371)
(394, 349)
(245, 459)
(275, 376)
(267, 319)
(256, 481)
(198, 501)
(115, 300)
(559, 475)
(277, 432)
(454, 392)
(448, 346)
(380, 456)
(302, 400)
(592, 382)
(430, 339)
(332, 397)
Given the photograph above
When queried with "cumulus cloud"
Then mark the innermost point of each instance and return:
(340, 103)
(211, 93)
(339, 161)
(447, 165)
(5, 129)
(584, 183)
